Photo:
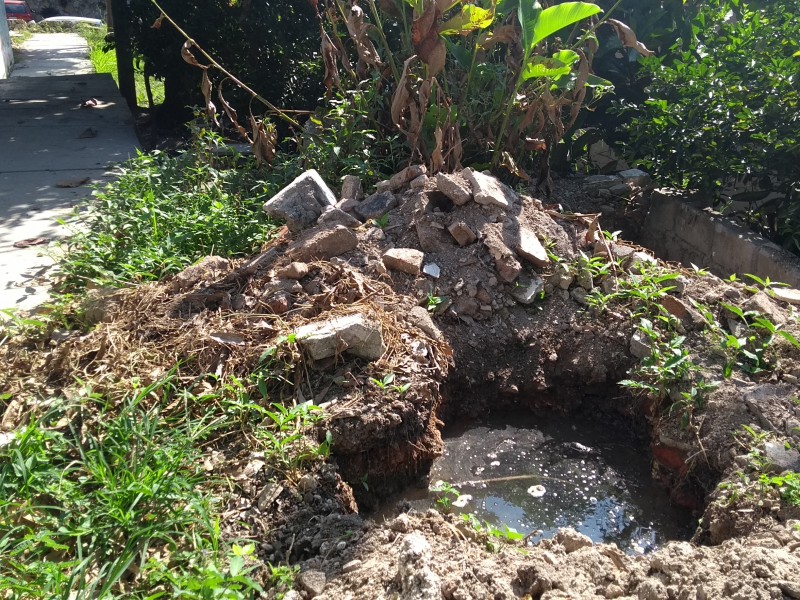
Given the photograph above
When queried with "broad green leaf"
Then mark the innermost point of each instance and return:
(470, 18)
(593, 81)
(528, 14)
(557, 65)
(554, 19)
(460, 53)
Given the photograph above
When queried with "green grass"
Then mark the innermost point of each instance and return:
(104, 60)
(164, 213)
(102, 500)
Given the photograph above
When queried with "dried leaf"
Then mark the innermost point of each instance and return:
(367, 54)
(402, 97)
(535, 144)
(428, 45)
(157, 23)
(232, 114)
(437, 161)
(510, 164)
(628, 37)
(329, 54)
(187, 55)
(265, 139)
(73, 183)
(205, 87)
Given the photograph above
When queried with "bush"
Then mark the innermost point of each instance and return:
(721, 114)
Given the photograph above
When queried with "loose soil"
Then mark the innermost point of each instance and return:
(478, 351)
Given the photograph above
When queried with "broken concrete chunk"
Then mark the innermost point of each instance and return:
(376, 205)
(507, 266)
(355, 334)
(763, 304)
(531, 249)
(405, 176)
(462, 233)
(488, 190)
(406, 260)
(421, 318)
(572, 540)
(640, 345)
(418, 182)
(779, 459)
(789, 295)
(635, 177)
(454, 187)
(300, 203)
(638, 261)
(351, 188)
(336, 216)
(208, 268)
(528, 290)
(324, 243)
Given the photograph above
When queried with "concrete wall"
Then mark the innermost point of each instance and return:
(680, 230)
(6, 54)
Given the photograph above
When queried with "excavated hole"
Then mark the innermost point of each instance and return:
(439, 202)
(537, 465)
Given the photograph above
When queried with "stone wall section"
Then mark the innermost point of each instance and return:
(677, 229)
(6, 54)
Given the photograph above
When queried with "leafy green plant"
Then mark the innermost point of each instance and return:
(731, 129)
(788, 485)
(384, 384)
(381, 222)
(445, 494)
(766, 284)
(493, 533)
(433, 302)
(689, 402)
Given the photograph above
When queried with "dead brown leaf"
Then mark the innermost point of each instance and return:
(628, 37)
(329, 54)
(265, 138)
(232, 114)
(158, 22)
(186, 54)
(205, 87)
(427, 42)
(357, 28)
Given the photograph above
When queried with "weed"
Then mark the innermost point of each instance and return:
(766, 284)
(788, 485)
(384, 384)
(446, 494)
(493, 533)
(689, 402)
(380, 222)
(433, 302)
(162, 214)
(750, 351)
(284, 440)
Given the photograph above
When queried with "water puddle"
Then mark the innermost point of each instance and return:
(538, 475)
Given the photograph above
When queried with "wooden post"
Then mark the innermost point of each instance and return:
(120, 17)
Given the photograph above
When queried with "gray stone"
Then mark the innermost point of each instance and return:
(622, 189)
(407, 260)
(307, 483)
(585, 280)
(487, 190)
(418, 182)
(311, 582)
(325, 243)
(454, 187)
(376, 205)
(292, 595)
(562, 277)
(763, 304)
(300, 203)
(336, 216)
(432, 270)
(462, 233)
(417, 580)
(531, 249)
(600, 182)
(635, 177)
(351, 188)
(528, 290)
(640, 345)
(639, 260)
(579, 295)
(779, 459)
(355, 334)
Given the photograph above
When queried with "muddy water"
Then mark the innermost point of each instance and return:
(537, 475)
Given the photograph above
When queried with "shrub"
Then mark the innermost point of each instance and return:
(721, 114)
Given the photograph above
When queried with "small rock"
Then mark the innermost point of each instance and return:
(418, 182)
(462, 233)
(789, 295)
(401, 523)
(415, 576)
(622, 252)
(779, 459)
(635, 177)
(421, 318)
(622, 189)
(307, 483)
(526, 292)
(292, 595)
(311, 582)
(562, 277)
(585, 280)
(579, 295)
(454, 187)
(763, 304)
(406, 260)
(278, 303)
(679, 285)
(465, 306)
(531, 249)
(351, 188)
(432, 269)
(355, 334)
(347, 205)
(640, 345)
(571, 540)
(209, 267)
(294, 270)
(376, 205)
(300, 203)
(599, 182)
(675, 307)
(336, 216)
(324, 243)
(351, 566)
(488, 190)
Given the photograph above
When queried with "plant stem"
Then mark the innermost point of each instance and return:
(384, 41)
(281, 114)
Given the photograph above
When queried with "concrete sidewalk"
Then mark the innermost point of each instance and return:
(47, 139)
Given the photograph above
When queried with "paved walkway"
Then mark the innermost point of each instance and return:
(47, 139)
